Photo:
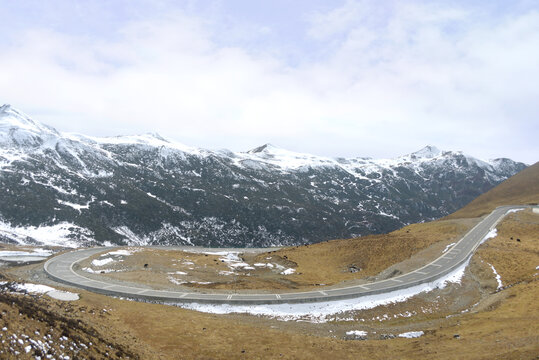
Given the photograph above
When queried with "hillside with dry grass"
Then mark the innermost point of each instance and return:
(361, 258)
(490, 324)
(323, 264)
(522, 188)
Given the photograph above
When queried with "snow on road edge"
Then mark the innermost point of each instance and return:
(321, 312)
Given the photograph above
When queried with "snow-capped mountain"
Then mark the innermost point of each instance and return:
(73, 190)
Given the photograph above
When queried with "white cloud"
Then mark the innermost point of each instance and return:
(392, 77)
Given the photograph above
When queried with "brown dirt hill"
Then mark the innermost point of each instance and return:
(522, 188)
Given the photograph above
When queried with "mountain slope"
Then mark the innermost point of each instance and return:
(73, 189)
(522, 188)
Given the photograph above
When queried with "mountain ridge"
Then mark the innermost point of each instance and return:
(145, 189)
(427, 152)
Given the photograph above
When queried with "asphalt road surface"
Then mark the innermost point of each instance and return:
(60, 268)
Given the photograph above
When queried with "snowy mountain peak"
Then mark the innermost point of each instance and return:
(152, 140)
(264, 148)
(428, 152)
(156, 136)
(13, 118)
(17, 129)
(285, 159)
(5, 108)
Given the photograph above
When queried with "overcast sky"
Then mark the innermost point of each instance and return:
(334, 78)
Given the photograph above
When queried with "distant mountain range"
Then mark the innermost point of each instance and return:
(75, 190)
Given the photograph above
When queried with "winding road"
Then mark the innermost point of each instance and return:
(60, 268)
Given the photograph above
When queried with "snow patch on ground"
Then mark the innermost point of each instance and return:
(491, 234)
(498, 277)
(234, 265)
(268, 265)
(176, 281)
(100, 271)
(226, 273)
(77, 207)
(102, 262)
(63, 295)
(232, 260)
(358, 333)
(288, 271)
(35, 252)
(44, 289)
(448, 247)
(132, 238)
(325, 311)
(513, 211)
(121, 252)
(411, 334)
(52, 235)
(34, 288)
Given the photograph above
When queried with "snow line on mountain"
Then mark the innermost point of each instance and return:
(144, 189)
(51, 235)
(29, 129)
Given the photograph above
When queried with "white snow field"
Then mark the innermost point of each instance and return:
(411, 334)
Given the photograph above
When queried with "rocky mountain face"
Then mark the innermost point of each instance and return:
(74, 190)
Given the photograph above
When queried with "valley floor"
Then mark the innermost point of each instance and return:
(492, 313)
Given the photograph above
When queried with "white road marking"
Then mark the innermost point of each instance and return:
(229, 297)
(363, 287)
(277, 296)
(421, 272)
(323, 293)
(397, 280)
(437, 265)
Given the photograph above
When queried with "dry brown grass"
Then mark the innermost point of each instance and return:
(514, 260)
(522, 188)
(167, 268)
(320, 264)
(329, 262)
(507, 328)
(509, 331)
(76, 329)
(505, 325)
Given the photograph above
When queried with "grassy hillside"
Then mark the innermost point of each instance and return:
(502, 325)
(330, 262)
(523, 188)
